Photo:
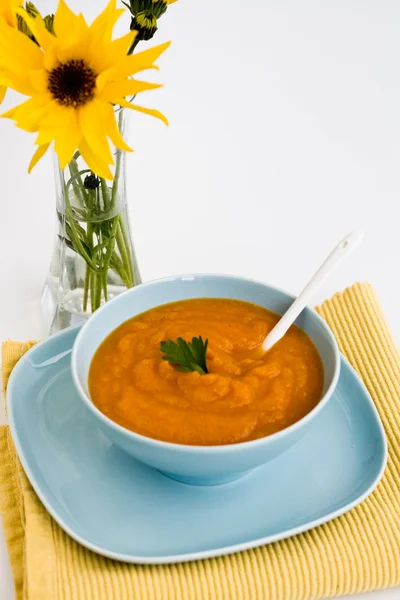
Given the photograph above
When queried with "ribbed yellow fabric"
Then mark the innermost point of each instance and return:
(357, 552)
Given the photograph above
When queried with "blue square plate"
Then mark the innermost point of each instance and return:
(118, 507)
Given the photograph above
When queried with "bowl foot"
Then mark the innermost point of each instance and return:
(205, 480)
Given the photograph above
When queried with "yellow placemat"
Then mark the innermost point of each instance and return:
(359, 551)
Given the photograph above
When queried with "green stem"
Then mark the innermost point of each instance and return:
(106, 194)
(97, 279)
(128, 263)
(71, 221)
(104, 282)
(92, 292)
(103, 266)
(98, 290)
(109, 251)
(86, 288)
(117, 172)
(122, 235)
(75, 238)
(133, 45)
(124, 255)
(89, 238)
(78, 186)
(95, 291)
(97, 232)
(77, 183)
(117, 265)
(95, 229)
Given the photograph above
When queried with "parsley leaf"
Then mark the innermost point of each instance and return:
(187, 356)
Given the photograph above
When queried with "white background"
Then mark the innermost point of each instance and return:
(284, 135)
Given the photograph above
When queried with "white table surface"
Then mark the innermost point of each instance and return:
(284, 135)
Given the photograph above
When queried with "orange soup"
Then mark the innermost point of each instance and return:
(245, 394)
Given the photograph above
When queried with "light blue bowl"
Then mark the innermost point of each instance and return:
(200, 465)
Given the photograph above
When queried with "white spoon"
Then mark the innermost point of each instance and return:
(336, 256)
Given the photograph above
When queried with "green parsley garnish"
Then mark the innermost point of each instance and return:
(187, 356)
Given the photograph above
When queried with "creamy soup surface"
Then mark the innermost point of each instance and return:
(246, 394)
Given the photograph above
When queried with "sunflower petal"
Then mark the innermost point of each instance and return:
(45, 136)
(73, 52)
(50, 60)
(28, 114)
(39, 79)
(68, 26)
(115, 51)
(113, 132)
(148, 111)
(37, 26)
(64, 19)
(119, 47)
(3, 91)
(120, 89)
(7, 11)
(41, 151)
(132, 64)
(67, 139)
(91, 120)
(20, 84)
(9, 114)
(149, 56)
(102, 27)
(18, 53)
(94, 162)
(51, 123)
(144, 60)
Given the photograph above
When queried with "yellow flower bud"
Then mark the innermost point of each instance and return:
(145, 23)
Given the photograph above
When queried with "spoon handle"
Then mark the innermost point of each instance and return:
(335, 257)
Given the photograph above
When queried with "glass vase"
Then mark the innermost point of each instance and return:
(93, 258)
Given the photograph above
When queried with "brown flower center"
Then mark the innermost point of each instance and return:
(72, 83)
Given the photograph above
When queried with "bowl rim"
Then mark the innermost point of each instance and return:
(223, 448)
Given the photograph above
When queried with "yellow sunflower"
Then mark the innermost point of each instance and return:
(74, 79)
(8, 13)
